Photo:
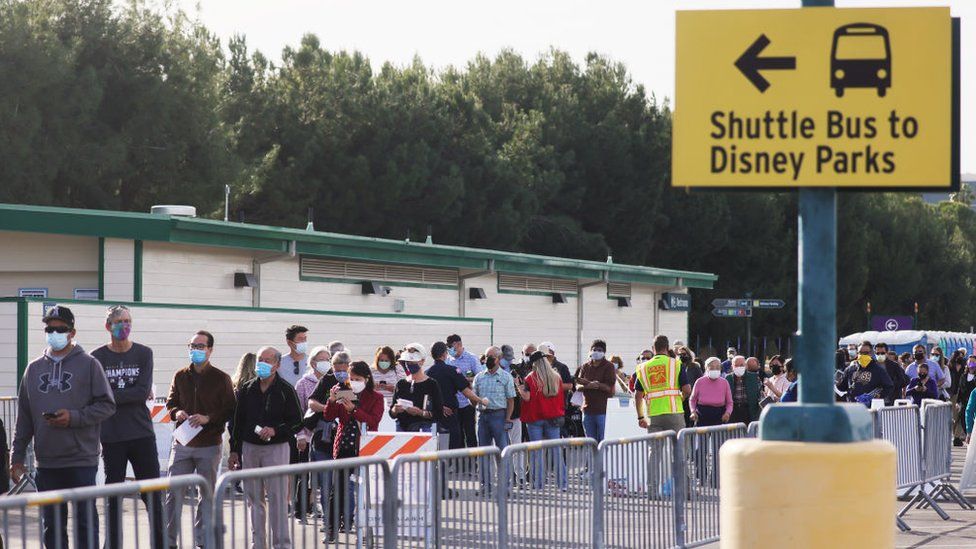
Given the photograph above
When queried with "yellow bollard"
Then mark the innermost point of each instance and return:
(800, 495)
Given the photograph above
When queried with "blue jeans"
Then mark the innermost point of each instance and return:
(595, 425)
(324, 480)
(546, 429)
(86, 516)
(491, 429)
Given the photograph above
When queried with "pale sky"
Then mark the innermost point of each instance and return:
(639, 33)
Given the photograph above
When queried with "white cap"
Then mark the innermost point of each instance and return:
(547, 348)
(413, 352)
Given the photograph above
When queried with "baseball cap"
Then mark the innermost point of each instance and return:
(61, 313)
(413, 352)
(508, 353)
(546, 347)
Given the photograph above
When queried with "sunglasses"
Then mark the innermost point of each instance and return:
(57, 329)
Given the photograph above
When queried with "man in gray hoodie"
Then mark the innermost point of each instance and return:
(63, 399)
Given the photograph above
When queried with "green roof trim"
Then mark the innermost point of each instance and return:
(209, 232)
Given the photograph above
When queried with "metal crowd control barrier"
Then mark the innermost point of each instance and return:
(8, 413)
(637, 489)
(23, 527)
(448, 498)
(753, 430)
(350, 495)
(697, 482)
(937, 419)
(900, 426)
(557, 504)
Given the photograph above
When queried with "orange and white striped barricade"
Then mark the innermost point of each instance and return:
(413, 520)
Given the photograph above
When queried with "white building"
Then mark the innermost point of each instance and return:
(246, 283)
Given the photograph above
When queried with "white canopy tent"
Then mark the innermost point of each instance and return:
(903, 340)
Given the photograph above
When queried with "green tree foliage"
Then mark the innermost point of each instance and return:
(122, 107)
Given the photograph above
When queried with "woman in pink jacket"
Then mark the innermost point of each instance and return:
(711, 398)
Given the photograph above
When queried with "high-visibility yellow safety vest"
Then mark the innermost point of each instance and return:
(659, 378)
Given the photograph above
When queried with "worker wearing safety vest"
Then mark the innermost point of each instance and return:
(661, 384)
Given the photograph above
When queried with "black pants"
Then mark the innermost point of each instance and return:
(450, 425)
(302, 501)
(710, 415)
(466, 422)
(740, 413)
(86, 516)
(141, 453)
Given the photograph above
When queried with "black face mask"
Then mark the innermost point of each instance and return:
(920, 356)
(685, 358)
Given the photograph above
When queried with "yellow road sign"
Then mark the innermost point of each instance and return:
(810, 97)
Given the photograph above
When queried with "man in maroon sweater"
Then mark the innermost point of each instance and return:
(596, 379)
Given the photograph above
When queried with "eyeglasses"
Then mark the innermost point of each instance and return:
(58, 329)
(198, 346)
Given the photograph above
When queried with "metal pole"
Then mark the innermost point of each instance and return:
(226, 202)
(817, 292)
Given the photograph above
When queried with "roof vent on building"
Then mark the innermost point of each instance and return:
(185, 211)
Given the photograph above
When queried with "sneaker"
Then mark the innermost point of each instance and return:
(957, 441)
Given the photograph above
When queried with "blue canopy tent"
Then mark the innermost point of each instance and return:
(902, 341)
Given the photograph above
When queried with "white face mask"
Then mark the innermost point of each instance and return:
(357, 386)
(713, 374)
(323, 366)
(739, 371)
(301, 348)
(970, 377)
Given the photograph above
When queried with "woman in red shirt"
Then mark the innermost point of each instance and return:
(366, 408)
(543, 412)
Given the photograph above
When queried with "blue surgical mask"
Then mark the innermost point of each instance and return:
(596, 355)
(198, 356)
(452, 351)
(506, 363)
(263, 370)
(341, 377)
(57, 341)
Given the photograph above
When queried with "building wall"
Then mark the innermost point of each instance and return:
(235, 332)
(177, 273)
(59, 263)
(281, 287)
(119, 269)
(627, 330)
(8, 350)
(522, 318)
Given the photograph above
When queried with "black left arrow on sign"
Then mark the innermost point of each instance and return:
(749, 63)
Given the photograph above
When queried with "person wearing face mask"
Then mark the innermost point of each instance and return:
(596, 379)
(451, 383)
(128, 436)
(495, 386)
(692, 372)
(293, 364)
(322, 441)
(711, 397)
(622, 378)
(202, 395)
(918, 357)
(745, 387)
(64, 397)
(899, 380)
(267, 416)
(865, 379)
(776, 385)
(922, 387)
(416, 402)
(386, 372)
(790, 395)
(469, 366)
(319, 364)
(366, 407)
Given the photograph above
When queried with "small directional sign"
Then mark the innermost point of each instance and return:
(768, 303)
(718, 303)
(732, 312)
(826, 97)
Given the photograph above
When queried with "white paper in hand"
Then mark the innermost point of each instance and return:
(185, 433)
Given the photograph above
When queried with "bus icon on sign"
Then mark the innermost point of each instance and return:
(860, 58)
